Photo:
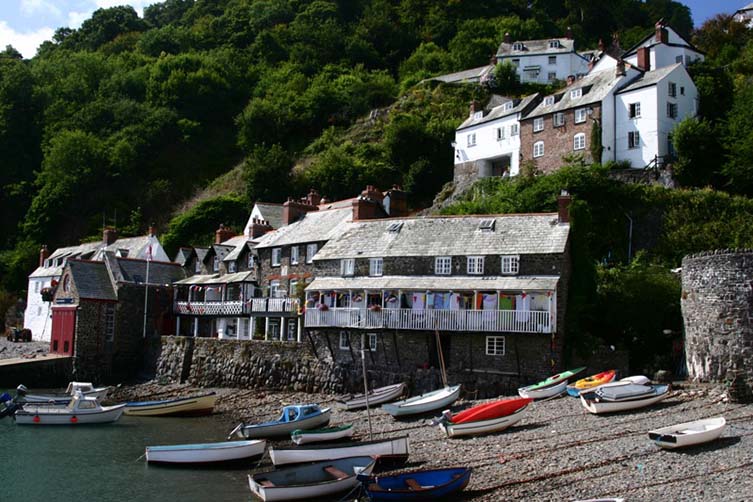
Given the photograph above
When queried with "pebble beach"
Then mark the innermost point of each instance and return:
(558, 452)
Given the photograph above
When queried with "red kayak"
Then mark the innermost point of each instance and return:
(490, 411)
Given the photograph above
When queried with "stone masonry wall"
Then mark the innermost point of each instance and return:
(717, 308)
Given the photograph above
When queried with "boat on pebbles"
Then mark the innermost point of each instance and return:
(688, 433)
(294, 416)
(424, 403)
(622, 396)
(300, 436)
(376, 397)
(394, 449)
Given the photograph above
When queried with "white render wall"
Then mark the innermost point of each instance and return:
(568, 63)
(487, 146)
(666, 55)
(37, 313)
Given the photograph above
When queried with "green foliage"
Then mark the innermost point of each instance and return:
(267, 173)
(739, 141)
(506, 80)
(697, 146)
(595, 145)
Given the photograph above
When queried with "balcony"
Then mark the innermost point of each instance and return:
(511, 321)
(238, 308)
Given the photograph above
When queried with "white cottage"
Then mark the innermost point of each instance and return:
(543, 61)
(664, 47)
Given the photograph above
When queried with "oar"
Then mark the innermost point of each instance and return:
(237, 428)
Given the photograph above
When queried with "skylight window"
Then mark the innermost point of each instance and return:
(486, 225)
(395, 227)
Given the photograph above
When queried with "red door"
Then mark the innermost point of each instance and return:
(63, 328)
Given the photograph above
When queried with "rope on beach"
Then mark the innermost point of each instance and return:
(140, 457)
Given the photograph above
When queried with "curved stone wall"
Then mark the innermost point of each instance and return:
(717, 306)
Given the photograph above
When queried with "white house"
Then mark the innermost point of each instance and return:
(543, 61)
(492, 140)
(646, 111)
(745, 15)
(37, 316)
(662, 48)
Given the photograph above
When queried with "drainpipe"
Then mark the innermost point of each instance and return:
(630, 237)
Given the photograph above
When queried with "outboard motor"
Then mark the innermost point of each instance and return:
(7, 406)
(21, 390)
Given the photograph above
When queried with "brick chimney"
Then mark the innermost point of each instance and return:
(368, 205)
(662, 35)
(152, 230)
(507, 39)
(644, 58)
(258, 228)
(109, 235)
(475, 107)
(44, 253)
(563, 207)
(292, 210)
(570, 79)
(619, 70)
(313, 198)
(601, 45)
(223, 233)
(398, 202)
(569, 33)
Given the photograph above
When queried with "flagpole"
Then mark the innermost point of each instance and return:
(146, 283)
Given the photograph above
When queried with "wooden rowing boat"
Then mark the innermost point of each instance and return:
(391, 449)
(184, 406)
(416, 485)
(321, 479)
(424, 403)
(206, 453)
(487, 426)
(591, 382)
(376, 397)
(295, 416)
(606, 399)
(688, 433)
(300, 436)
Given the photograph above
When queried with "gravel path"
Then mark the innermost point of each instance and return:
(559, 452)
(10, 350)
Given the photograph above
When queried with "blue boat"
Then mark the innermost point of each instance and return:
(417, 485)
(296, 416)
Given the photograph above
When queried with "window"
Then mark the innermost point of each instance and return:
(372, 342)
(375, 266)
(517, 46)
(672, 110)
(36, 286)
(475, 265)
(231, 268)
(538, 149)
(553, 44)
(507, 106)
(510, 264)
(344, 341)
(514, 130)
(293, 288)
(551, 76)
(109, 323)
(538, 124)
(395, 227)
(276, 256)
(472, 139)
(216, 264)
(579, 141)
(635, 110)
(552, 59)
(516, 62)
(274, 289)
(672, 89)
(634, 139)
(197, 266)
(39, 311)
(576, 93)
(310, 252)
(580, 115)
(558, 119)
(495, 345)
(250, 261)
(292, 330)
(294, 255)
(443, 265)
(47, 263)
(678, 59)
(487, 225)
(478, 115)
(682, 90)
(549, 101)
(347, 266)
(500, 133)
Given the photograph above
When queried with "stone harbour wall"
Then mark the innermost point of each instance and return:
(717, 306)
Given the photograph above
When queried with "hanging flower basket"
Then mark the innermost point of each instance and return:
(375, 308)
(47, 294)
(322, 306)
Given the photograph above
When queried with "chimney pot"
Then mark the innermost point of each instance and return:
(223, 233)
(620, 68)
(109, 235)
(563, 206)
(44, 253)
(644, 58)
(507, 38)
(569, 33)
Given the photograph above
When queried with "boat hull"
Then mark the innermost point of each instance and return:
(688, 433)
(424, 403)
(426, 485)
(184, 407)
(376, 397)
(50, 415)
(483, 426)
(396, 449)
(228, 451)
(545, 392)
(489, 411)
(276, 429)
(310, 481)
(590, 382)
(301, 437)
(590, 403)
(555, 379)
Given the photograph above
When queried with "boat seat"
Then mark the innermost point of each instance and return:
(413, 484)
(266, 482)
(335, 472)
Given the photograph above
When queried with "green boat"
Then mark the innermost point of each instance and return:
(300, 437)
(551, 381)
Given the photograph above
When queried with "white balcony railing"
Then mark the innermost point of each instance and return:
(514, 321)
(255, 305)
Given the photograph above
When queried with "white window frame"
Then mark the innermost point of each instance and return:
(231, 267)
(518, 46)
(276, 257)
(538, 149)
(293, 284)
(510, 264)
(372, 342)
(576, 93)
(36, 286)
(274, 289)
(478, 115)
(558, 119)
(634, 139)
(500, 133)
(294, 255)
(250, 261)
(672, 110)
(347, 267)
(507, 106)
(471, 139)
(672, 89)
(311, 250)
(538, 124)
(443, 265)
(580, 115)
(552, 60)
(549, 101)
(216, 264)
(344, 342)
(493, 343)
(197, 266)
(475, 265)
(514, 130)
(634, 110)
(376, 267)
(579, 141)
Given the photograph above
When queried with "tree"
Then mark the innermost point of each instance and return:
(739, 141)
(104, 26)
(697, 146)
(506, 79)
(267, 174)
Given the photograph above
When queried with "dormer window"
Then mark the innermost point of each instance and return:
(576, 93)
(231, 267)
(478, 115)
(197, 266)
(518, 46)
(554, 44)
(250, 261)
(549, 101)
(347, 266)
(216, 264)
(507, 106)
(47, 263)
(122, 253)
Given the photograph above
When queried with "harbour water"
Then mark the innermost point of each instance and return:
(105, 463)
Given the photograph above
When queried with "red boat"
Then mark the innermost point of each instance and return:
(490, 411)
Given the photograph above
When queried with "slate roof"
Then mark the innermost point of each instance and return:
(536, 47)
(184, 254)
(449, 236)
(649, 78)
(201, 253)
(596, 87)
(651, 35)
(246, 276)
(92, 280)
(472, 75)
(519, 106)
(82, 251)
(235, 253)
(160, 272)
(132, 244)
(422, 283)
(315, 226)
(747, 7)
(272, 213)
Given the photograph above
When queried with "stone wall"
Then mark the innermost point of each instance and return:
(285, 271)
(717, 307)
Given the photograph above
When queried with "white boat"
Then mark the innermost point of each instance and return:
(376, 397)
(80, 410)
(322, 479)
(295, 416)
(389, 449)
(86, 388)
(544, 392)
(483, 426)
(689, 433)
(300, 437)
(205, 453)
(424, 403)
(194, 406)
(609, 399)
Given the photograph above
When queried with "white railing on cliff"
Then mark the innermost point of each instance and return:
(234, 308)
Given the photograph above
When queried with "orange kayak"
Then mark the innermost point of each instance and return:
(488, 411)
(591, 382)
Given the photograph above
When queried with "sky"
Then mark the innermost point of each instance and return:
(25, 24)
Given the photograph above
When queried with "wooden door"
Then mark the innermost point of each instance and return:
(63, 329)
